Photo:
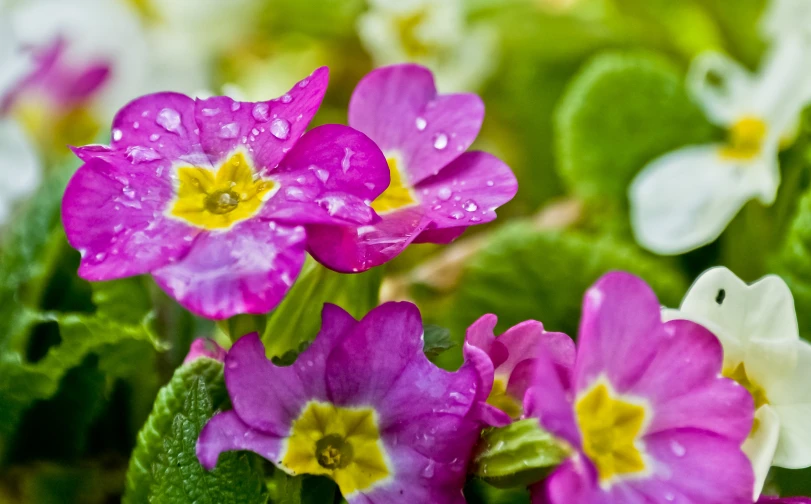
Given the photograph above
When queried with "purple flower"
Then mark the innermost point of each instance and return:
(512, 356)
(648, 413)
(205, 347)
(212, 197)
(362, 405)
(437, 189)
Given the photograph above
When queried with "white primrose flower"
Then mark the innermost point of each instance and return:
(786, 16)
(757, 326)
(686, 198)
(432, 33)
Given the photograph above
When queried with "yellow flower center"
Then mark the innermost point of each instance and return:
(611, 428)
(407, 27)
(398, 195)
(54, 132)
(745, 139)
(738, 373)
(502, 400)
(342, 443)
(219, 201)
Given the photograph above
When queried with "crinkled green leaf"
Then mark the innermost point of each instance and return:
(518, 454)
(179, 477)
(528, 274)
(168, 404)
(297, 319)
(436, 340)
(620, 112)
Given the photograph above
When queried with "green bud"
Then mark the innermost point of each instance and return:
(519, 454)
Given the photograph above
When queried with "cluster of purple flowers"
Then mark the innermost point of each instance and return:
(220, 200)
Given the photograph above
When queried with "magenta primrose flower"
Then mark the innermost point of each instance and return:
(213, 197)
(362, 405)
(437, 189)
(205, 347)
(648, 413)
(513, 358)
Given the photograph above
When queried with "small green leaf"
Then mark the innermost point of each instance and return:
(167, 405)
(620, 112)
(793, 262)
(297, 319)
(519, 454)
(524, 274)
(436, 340)
(178, 475)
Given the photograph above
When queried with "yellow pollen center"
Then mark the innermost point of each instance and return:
(218, 201)
(407, 27)
(502, 400)
(398, 195)
(611, 428)
(738, 373)
(342, 443)
(745, 139)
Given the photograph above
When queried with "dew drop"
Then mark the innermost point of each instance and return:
(303, 83)
(295, 194)
(235, 106)
(321, 174)
(280, 128)
(421, 123)
(347, 158)
(260, 112)
(456, 215)
(136, 125)
(154, 137)
(440, 141)
(677, 449)
(369, 185)
(117, 134)
(138, 154)
(209, 112)
(475, 219)
(444, 194)
(490, 183)
(428, 472)
(230, 130)
(470, 206)
(101, 256)
(168, 119)
(287, 98)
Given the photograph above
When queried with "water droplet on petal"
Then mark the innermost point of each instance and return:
(369, 185)
(421, 123)
(235, 106)
(475, 219)
(428, 472)
(208, 112)
(280, 128)
(678, 449)
(470, 206)
(138, 154)
(490, 183)
(230, 130)
(444, 194)
(100, 256)
(347, 158)
(168, 119)
(295, 194)
(456, 215)
(321, 174)
(303, 83)
(117, 134)
(136, 125)
(440, 141)
(260, 112)
(154, 137)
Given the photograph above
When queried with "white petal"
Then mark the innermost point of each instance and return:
(760, 446)
(721, 86)
(20, 170)
(686, 198)
(785, 16)
(792, 403)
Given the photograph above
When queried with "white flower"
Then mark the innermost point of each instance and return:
(786, 16)
(20, 170)
(432, 33)
(757, 326)
(686, 198)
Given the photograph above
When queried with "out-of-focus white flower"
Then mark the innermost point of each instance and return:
(786, 16)
(757, 326)
(686, 198)
(433, 33)
(20, 170)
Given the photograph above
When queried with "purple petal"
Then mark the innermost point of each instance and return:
(247, 269)
(486, 414)
(574, 482)
(684, 385)
(267, 130)
(205, 347)
(467, 191)
(113, 213)
(481, 335)
(354, 249)
(328, 178)
(440, 236)
(270, 397)
(391, 336)
(620, 332)
(398, 107)
(226, 432)
(550, 399)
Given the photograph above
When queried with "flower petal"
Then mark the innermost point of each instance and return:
(721, 102)
(468, 190)
(686, 198)
(247, 269)
(354, 249)
(398, 107)
(550, 399)
(226, 432)
(760, 447)
(267, 130)
(791, 400)
(328, 178)
(20, 171)
(114, 215)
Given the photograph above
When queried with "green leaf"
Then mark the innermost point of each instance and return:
(126, 300)
(297, 319)
(793, 262)
(524, 274)
(519, 454)
(619, 113)
(167, 405)
(177, 475)
(436, 340)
